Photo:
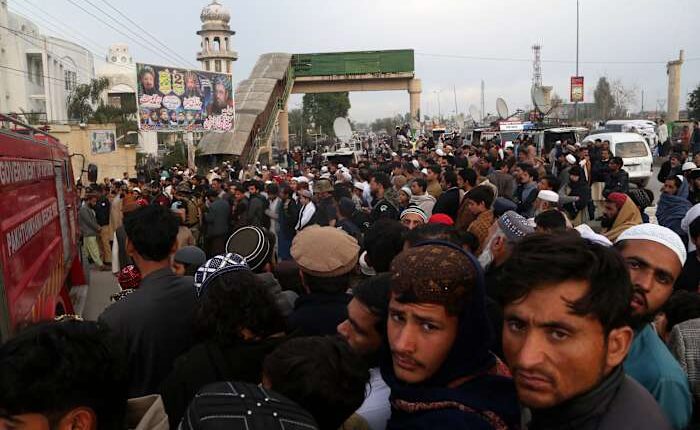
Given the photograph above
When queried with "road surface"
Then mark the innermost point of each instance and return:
(101, 286)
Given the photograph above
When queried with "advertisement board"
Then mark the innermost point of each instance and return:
(102, 141)
(576, 89)
(171, 99)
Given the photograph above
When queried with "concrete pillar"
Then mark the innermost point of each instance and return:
(414, 90)
(284, 129)
(673, 69)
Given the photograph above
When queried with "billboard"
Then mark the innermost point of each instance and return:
(102, 141)
(576, 89)
(172, 99)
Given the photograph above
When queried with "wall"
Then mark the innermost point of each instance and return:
(44, 88)
(110, 165)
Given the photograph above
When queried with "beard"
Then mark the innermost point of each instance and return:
(607, 222)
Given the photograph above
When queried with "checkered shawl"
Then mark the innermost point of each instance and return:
(217, 266)
(685, 346)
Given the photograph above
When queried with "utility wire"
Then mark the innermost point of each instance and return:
(138, 42)
(31, 74)
(140, 28)
(529, 60)
(56, 25)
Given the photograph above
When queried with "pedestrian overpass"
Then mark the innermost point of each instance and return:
(261, 100)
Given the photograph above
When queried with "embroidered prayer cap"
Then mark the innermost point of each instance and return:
(241, 405)
(433, 273)
(214, 267)
(514, 226)
(252, 243)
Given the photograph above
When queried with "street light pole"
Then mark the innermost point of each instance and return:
(577, 45)
(437, 92)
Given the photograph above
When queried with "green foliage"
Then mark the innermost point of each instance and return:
(694, 104)
(389, 124)
(323, 109)
(83, 99)
(603, 99)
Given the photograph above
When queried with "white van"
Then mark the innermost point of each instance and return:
(634, 151)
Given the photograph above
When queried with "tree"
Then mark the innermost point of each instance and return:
(323, 109)
(694, 104)
(603, 99)
(84, 97)
(624, 97)
(296, 124)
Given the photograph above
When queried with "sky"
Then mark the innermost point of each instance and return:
(457, 42)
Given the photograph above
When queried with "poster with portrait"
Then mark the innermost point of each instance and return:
(102, 141)
(171, 99)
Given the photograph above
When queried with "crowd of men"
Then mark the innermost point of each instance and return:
(456, 286)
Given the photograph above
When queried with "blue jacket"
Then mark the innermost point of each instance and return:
(651, 364)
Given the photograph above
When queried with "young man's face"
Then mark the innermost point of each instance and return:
(475, 208)
(421, 337)
(555, 355)
(359, 330)
(416, 190)
(432, 176)
(77, 418)
(543, 184)
(653, 269)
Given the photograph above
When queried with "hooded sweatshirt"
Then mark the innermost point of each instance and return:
(471, 390)
(426, 202)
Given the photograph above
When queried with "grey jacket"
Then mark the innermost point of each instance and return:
(88, 221)
(619, 402)
(217, 218)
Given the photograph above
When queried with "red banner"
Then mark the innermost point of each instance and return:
(576, 89)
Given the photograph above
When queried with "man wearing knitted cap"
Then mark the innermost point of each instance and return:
(439, 366)
(655, 256)
(325, 256)
(619, 214)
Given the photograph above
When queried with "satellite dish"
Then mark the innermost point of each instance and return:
(474, 112)
(501, 108)
(342, 129)
(539, 100)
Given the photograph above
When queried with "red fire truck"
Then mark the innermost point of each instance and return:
(39, 254)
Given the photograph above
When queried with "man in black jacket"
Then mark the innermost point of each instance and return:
(448, 202)
(325, 272)
(156, 320)
(382, 208)
(618, 180)
(566, 336)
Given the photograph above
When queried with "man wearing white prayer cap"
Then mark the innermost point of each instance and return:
(655, 256)
(546, 200)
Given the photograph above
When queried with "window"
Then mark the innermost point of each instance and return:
(71, 79)
(228, 67)
(630, 149)
(217, 44)
(114, 101)
(206, 64)
(217, 65)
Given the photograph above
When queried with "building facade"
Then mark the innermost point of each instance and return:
(38, 72)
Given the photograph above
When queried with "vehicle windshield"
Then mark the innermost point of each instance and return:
(631, 149)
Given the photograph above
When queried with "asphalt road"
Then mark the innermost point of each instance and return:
(101, 286)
